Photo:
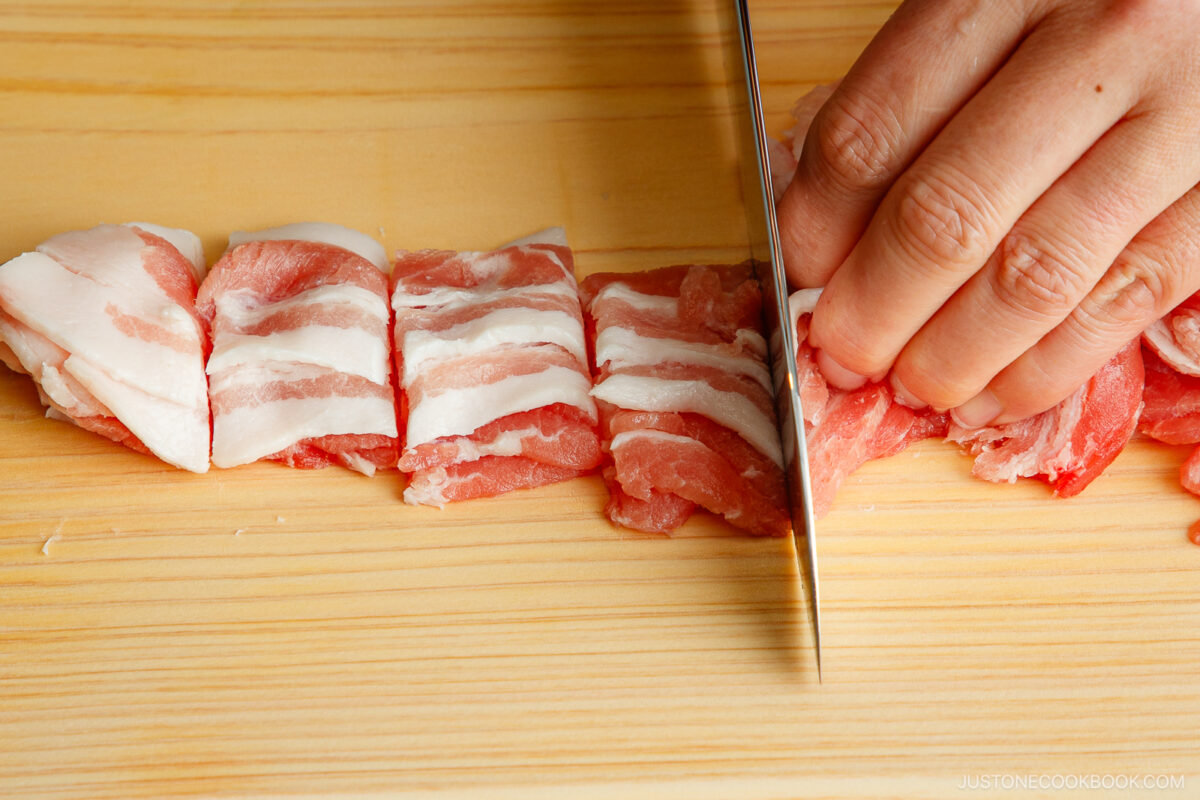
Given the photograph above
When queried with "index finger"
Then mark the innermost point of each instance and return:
(924, 64)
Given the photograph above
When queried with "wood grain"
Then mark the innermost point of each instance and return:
(268, 632)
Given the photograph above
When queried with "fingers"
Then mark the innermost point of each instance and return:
(925, 63)
(804, 111)
(1156, 272)
(1048, 263)
(946, 214)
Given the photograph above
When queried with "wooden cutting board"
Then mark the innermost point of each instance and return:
(269, 632)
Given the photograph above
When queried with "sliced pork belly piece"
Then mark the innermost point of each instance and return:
(186, 242)
(857, 427)
(661, 512)
(812, 389)
(300, 370)
(845, 430)
(104, 321)
(1171, 411)
(687, 413)
(1176, 337)
(492, 365)
(1070, 444)
(1171, 414)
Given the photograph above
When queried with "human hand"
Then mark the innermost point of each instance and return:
(998, 196)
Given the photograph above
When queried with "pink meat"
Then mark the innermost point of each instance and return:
(857, 427)
(526, 265)
(446, 298)
(82, 253)
(661, 512)
(812, 388)
(488, 476)
(673, 281)
(615, 313)
(707, 465)
(1176, 337)
(112, 428)
(665, 463)
(489, 367)
(439, 319)
(845, 430)
(109, 312)
(714, 302)
(1171, 412)
(266, 273)
(1070, 444)
(275, 271)
(713, 376)
(556, 435)
(327, 315)
(352, 451)
(1189, 474)
(329, 384)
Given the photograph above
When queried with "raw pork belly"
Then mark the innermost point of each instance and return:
(845, 430)
(1175, 338)
(1068, 445)
(1172, 394)
(685, 398)
(104, 321)
(492, 364)
(300, 370)
(1172, 412)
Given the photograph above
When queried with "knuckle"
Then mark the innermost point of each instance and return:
(942, 219)
(856, 142)
(1135, 292)
(1034, 281)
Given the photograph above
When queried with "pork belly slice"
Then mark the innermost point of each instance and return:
(1171, 411)
(1175, 338)
(1068, 445)
(845, 430)
(688, 418)
(104, 321)
(300, 370)
(660, 459)
(491, 361)
(1171, 414)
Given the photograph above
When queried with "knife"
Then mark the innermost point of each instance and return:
(763, 228)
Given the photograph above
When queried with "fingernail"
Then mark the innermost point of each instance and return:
(838, 375)
(978, 411)
(904, 397)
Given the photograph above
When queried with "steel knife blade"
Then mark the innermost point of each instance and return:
(763, 229)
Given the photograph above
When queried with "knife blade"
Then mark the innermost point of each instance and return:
(763, 228)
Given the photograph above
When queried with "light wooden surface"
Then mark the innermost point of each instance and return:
(269, 632)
